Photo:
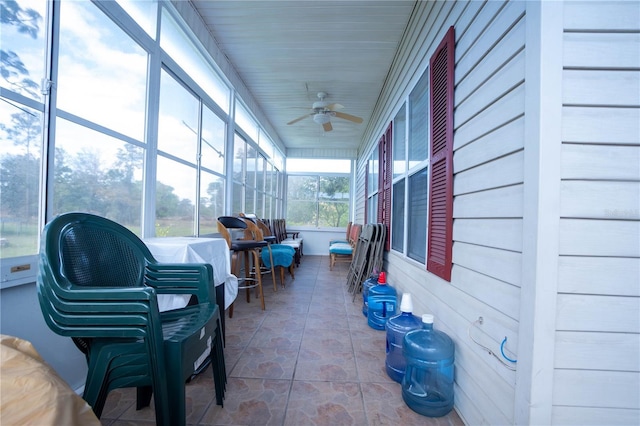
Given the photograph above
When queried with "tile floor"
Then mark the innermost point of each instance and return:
(309, 359)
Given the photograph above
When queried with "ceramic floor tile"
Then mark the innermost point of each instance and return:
(250, 402)
(329, 320)
(266, 363)
(333, 404)
(332, 365)
(326, 340)
(118, 401)
(384, 406)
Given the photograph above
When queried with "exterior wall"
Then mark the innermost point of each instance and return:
(488, 195)
(20, 316)
(546, 197)
(597, 338)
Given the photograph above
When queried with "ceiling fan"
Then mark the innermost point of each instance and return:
(322, 111)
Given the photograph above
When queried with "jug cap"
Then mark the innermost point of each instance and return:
(406, 305)
(382, 278)
(427, 318)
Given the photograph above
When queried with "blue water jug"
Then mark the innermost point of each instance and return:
(366, 285)
(427, 386)
(397, 327)
(382, 303)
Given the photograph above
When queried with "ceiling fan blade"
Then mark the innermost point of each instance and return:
(298, 119)
(348, 117)
(333, 107)
(327, 126)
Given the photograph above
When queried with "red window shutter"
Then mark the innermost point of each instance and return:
(366, 192)
(440, 235)
(385, 180)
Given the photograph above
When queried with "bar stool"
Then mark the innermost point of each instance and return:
(250, 248)
(253, 231)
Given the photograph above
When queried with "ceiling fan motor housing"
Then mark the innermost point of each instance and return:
(321, 118)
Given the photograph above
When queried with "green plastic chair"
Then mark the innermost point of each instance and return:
(98, 284)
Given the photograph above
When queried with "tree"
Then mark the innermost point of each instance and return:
(334, 201)
(12, 69)
(321, 201)
(19, 186)
(166, 201)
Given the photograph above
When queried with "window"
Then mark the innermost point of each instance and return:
(417, 216)
(333, 201)
(102, 73)
(100, 101)
(175, 196)
(212, 142)
(22, 38)
(239, 170)
(97, 173)
(410, 174)
(177, 44)
(250, 180)
(143, 12)
(319, 200)
(397, 224)
(399, 176)
(302, 200)
(418, 122)
(399, 142)
(372, 182)
(20, 138)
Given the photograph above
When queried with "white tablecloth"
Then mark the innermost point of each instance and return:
(195, 250)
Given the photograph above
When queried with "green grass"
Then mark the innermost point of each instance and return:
(19, 239)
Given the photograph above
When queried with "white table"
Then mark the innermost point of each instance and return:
(195, 250)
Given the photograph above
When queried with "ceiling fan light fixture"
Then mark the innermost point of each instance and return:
(321, 118)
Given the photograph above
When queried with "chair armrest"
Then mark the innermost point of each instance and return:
(116, 294)
(294, 234)
(182, 278)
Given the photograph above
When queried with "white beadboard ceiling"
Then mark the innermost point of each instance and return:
(287, 51)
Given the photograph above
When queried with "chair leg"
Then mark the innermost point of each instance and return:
(218, 365)
(235, 263)
(247, 273)
(291, 268)
(273, 272)
(256, 259)
(143, 396)
(281, 275)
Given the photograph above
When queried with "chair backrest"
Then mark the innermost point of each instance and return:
(355, 233)
(228, 223)
(349, 229)
(266, 232)
(253, 231)
(82, 249)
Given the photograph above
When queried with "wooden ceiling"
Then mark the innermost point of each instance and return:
(287, 51)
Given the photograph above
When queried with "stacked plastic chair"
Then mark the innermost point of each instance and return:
(98, 284)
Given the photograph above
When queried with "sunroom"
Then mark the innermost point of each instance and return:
(164, 115)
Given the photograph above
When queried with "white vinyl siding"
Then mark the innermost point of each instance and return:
(577, 338)
(597, 354)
